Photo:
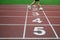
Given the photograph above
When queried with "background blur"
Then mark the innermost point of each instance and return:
(44, 2)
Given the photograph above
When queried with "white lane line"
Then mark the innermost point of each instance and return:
(12, 11)
(30, 38)
(24, 33)
(29, 24)
(52, 11)
(33, 16)
(11, 24)
(50, 24)
(12, 7)
(21, 11)
(12, 16)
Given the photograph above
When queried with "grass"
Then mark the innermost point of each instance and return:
(44, 2)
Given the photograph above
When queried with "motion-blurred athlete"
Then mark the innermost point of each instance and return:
(34, 2)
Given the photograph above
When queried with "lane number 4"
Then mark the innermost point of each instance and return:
(38, 20)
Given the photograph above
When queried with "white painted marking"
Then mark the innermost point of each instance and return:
(21, 11)
(37, 20)
(25, 23)
(39, 29)
(29, 24)
(32, 16)
(29, 38)
(35, 14)
(50, 25)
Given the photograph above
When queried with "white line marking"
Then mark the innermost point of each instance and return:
(3, 6)
(50, 25)
(30, 38)
(25, 24)
(12, 16)
(13, 7)
(33, 16)
(12, 11)
(29, 24)
(11, 24)
(42, 38)
(52, 11)
(21, 11)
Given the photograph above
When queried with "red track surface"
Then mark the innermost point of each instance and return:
(13, 22)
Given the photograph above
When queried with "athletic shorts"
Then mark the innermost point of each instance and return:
(36, 0)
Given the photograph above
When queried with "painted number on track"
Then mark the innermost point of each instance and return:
(39, 31)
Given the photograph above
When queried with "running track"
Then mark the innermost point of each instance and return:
(16, 22)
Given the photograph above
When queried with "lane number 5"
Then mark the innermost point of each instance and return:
(39, 31)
